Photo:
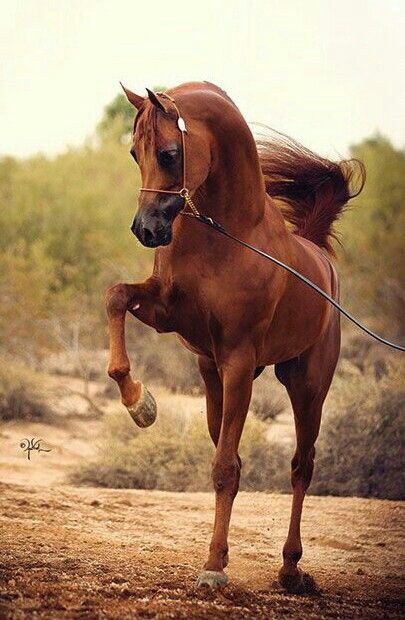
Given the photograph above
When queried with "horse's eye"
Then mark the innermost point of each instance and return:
(167, 157)
(133, 154)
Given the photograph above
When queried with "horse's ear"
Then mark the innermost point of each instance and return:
(155, 100)
(135, 100)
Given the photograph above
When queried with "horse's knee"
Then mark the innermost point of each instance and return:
(225, 476)
(118, 372)
(302, 467)
(116, 299)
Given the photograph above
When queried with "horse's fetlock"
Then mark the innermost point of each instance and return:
(292, 556)
(219, 548)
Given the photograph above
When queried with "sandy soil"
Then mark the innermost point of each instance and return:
(70, 552)
(90, 553)
(72, 435)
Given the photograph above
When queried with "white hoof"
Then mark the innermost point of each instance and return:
(212, 579)
(144, 411)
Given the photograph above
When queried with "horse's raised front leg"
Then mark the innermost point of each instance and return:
(237, 377)
(141, 301)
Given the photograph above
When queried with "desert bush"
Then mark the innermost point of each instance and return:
(22, 393)
(161, 359)
(158, 359)
(269, 397)
(360, 450)
(84, 364)
(175, 455)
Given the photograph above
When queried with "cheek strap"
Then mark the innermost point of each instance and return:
(183, 192)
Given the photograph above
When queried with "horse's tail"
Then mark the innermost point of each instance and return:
(312, 190)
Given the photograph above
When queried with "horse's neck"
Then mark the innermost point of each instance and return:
(234, 192)
(233, 195)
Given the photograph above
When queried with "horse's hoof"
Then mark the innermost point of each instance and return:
(144, 411)
(212, 579)
(297, 582)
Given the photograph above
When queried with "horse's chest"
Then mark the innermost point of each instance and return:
(195, 300)
(204, 311)
(187, 305)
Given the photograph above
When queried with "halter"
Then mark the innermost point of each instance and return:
(183, 192)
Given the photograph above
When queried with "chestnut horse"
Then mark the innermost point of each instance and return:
(237, 312)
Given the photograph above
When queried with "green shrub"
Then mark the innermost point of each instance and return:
(22, 393)
(175, 455)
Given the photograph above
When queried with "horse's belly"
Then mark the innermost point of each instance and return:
(294, 329)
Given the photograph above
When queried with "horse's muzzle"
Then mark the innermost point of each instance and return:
(153, 226)
(152, 231)
(152, 236)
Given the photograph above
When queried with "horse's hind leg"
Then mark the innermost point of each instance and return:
(307, 380)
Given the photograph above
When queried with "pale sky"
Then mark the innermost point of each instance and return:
(327, 72)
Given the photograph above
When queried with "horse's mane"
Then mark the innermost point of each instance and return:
(313, 191)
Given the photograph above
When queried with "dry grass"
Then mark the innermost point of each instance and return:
(269, 397)
(22, 393)
(360, 450)
(158, 359)
(175, 455)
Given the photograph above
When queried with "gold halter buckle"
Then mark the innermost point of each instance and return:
(184, 193)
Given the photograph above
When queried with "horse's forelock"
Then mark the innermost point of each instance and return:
(147, 118)
(146, 123)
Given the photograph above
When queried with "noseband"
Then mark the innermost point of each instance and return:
(183, 192)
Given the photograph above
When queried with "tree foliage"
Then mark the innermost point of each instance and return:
(118, 119)
(65, 237)
(373, 254)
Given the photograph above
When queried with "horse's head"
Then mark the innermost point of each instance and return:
(157, 148)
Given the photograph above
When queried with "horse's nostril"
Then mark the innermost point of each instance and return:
(147, 235)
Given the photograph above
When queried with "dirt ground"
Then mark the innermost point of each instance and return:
(89, 553)
(69, 552)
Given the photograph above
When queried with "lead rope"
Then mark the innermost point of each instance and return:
(208, 221)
